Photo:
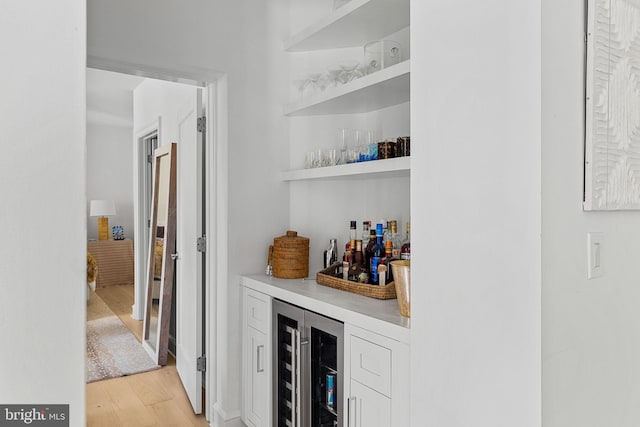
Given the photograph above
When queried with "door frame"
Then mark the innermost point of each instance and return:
(216, 218)
(140, 234)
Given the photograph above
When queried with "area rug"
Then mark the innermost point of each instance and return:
(112, 350)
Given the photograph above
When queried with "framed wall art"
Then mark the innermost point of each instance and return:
(612, 110)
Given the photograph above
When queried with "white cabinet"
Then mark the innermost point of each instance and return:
(376, 364)
(378, 385)
(368, 408)
(256, 358)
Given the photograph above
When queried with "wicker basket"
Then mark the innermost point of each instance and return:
(290, 256)
(332, 277)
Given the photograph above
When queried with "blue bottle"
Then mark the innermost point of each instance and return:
(377, 253)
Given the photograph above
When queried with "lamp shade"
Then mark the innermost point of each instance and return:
(102, 208)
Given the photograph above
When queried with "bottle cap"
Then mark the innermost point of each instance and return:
(378, 229)
(353, 224)
(372, 232)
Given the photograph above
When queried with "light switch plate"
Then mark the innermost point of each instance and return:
(595, 241)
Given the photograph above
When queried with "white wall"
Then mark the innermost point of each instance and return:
(591, 328)
(242, 39)
(475, 326)
(110, 174)
(43, 280)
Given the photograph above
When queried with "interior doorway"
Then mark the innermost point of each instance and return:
(146, 140)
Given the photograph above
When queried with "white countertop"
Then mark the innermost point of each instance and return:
(380, 316)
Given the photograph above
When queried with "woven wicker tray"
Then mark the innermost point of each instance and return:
(332, 277)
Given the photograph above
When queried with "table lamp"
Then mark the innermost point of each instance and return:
(102, 208)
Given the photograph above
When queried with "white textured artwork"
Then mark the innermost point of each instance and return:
(612, 149)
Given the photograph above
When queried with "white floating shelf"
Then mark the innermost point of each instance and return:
(388, 168)
(354, 24)
(384, 88)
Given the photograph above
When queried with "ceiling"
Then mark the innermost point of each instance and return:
(110, 97)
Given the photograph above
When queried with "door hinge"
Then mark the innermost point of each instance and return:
(202, 123)
(201, 244)
(149, 158)
(201, 364)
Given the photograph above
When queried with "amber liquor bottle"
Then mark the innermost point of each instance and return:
(405, 252)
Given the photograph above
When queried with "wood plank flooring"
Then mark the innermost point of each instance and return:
(153, 398)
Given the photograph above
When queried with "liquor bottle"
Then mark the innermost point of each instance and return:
(386, 231)
(357, 271)
(395, 239)
(350, 245)
(405, 252)
(358, 255)
(388, 257)
(377, 253)
(366, 227)
(352, 241)
(368, 250)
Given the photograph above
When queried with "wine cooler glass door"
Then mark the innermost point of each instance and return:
(326, 341)
(287, 381)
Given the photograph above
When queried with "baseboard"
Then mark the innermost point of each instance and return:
(135, 312)
(221, 418)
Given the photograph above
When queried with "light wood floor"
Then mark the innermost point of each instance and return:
(153, 398)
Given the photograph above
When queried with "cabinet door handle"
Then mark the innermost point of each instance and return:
(259, 361)
(351, 412)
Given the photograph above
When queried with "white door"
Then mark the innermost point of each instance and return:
(189, 268)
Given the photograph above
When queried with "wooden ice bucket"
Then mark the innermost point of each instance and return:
(291, 256)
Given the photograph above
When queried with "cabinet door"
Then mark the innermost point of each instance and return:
(368, 408)
(257, 374)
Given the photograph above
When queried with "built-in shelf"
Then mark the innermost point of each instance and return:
(384, 88)
(354, 24)
(385, 168)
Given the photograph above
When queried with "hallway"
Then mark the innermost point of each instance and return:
(154, 398)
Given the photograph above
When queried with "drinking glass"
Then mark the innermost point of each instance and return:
(309, 159)
(346, 140)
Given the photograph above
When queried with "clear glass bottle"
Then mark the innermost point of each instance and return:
(386, 231)
(396, 243)
(405, 251)
(366, 227)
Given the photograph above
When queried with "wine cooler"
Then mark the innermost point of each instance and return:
(308, 368)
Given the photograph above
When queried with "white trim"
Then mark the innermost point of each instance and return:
(217, 185)
(139, 220)
(217, 213)
(221, 418)
(187, 75)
